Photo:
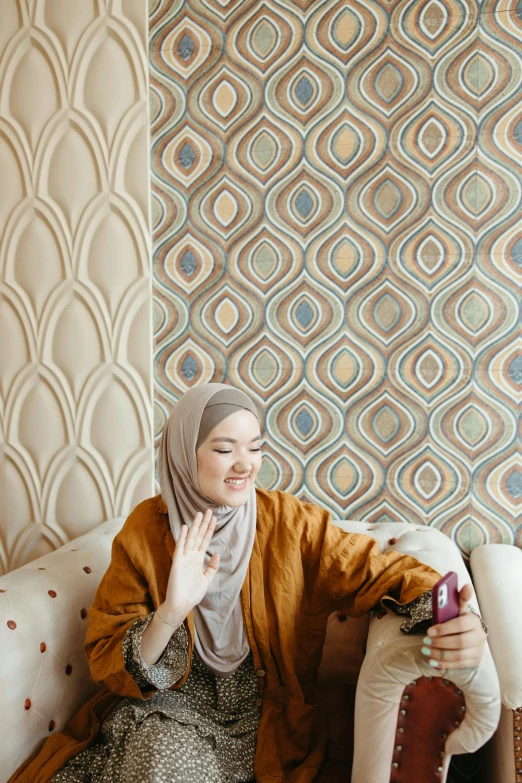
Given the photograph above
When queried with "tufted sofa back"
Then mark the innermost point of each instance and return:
(43, 618)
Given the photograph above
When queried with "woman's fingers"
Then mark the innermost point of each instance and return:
(470, 663)
(454, 654)
(467, 659)
(209, 532)
(465, 595)
(456, 641)
(203, 527)
(212, 568)
(179, 551)
(456, 644)
(194, 532)
(464, 622)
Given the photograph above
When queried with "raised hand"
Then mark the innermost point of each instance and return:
(189, 580)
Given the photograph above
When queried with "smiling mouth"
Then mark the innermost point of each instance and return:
(235, 483)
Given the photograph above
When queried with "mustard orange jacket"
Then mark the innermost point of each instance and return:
(301, 569)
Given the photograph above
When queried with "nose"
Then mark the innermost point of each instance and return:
(243, 466)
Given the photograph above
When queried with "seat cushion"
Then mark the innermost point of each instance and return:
(335, 772)
(344, 649)
(337, 701)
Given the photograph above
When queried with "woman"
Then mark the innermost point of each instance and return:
(207, 629)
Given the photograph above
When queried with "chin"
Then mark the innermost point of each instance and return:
(235, 503)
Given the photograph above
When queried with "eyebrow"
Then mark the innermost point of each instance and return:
(231, 440)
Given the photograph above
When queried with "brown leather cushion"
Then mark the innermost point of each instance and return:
(337, 702)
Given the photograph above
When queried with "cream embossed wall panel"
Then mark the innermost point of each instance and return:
(76, 344)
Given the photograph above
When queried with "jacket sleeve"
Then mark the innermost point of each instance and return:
(122, 597)
(346, 570)
(134, 583)
(168, 669)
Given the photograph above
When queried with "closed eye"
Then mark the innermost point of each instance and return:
(219, 451)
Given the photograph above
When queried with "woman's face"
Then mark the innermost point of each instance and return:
(229, 459)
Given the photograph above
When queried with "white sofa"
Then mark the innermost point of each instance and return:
(497, 574)
(45, 677)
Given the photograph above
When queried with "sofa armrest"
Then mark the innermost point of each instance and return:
(394, 672)
(497, 574)
(395, 677)
(43, 618)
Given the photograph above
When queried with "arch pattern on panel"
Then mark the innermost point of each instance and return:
(76, 343)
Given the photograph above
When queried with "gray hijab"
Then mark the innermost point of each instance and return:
(220, 637)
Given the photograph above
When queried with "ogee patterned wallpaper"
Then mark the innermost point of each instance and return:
(75, 274)
(337, 230)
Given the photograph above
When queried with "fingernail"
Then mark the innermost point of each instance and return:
(426, 651)
(427, 640)
(434, 663)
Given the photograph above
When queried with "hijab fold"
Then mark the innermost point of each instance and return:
(220, 639)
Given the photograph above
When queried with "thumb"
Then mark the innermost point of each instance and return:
(212, 567)
(465, 595)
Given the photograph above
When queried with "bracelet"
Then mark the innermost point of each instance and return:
(484, 626)
(164, 621)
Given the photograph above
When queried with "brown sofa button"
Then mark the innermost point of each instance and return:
(341, 616)
(52, 593)
(83, 614)
(43, 647)
(260, 672)
(11, 624)
(87, 569)
(52, 724)
(68, 669)
(27, 704)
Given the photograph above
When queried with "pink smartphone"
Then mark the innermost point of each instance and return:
(445, 598)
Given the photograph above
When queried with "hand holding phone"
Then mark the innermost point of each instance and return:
(445, 598)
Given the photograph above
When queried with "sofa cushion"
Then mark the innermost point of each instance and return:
(344, 648)
(337, 701)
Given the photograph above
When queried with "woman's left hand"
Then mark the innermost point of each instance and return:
(457, 643)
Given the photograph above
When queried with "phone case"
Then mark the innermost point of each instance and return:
(445, 598)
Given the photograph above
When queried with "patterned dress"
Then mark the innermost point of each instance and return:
(203, 732)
